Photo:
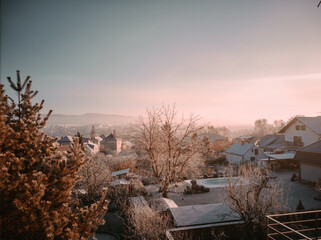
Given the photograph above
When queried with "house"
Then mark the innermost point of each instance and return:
(196, 215)
(309, 158)
(219, 143)
(301, 132)
(65, 141)
(200, 221)
(278, 161)
(111, 144)
(271, 142)
(91, 148)
(245, 139)
(239, 153)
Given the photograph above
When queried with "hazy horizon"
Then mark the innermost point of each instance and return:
(231, 62)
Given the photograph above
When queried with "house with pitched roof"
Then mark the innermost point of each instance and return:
(240, 153)
(271, 142)
(309, 158)
(65, 141)
(111, 144)
(219, 143)
(301, 132)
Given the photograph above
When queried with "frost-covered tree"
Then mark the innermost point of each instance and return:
(94, 177)
(167, 141)
(253, 195)
(35, 180)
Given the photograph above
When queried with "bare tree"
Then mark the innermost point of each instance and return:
(94, 177)
(253, 195)
(261, 127)
(146, 224)
(168, 142)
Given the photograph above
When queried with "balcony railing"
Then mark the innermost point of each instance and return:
(294, 226)
(294, 144)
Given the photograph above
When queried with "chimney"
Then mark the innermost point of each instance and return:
(114, 133)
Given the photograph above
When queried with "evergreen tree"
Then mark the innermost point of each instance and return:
(36, 180)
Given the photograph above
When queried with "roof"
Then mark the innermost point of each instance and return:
(203, 214)
(98, 139)
(314, 123)
(92, 146)
(66, 139)
(281, 156)
(110, 137)
(213, 137)
(310, 153)
(121, 172)
(312, 148)
(119, 182)
(161, 204)
(244, 137)
(272, 141)
(239, 149)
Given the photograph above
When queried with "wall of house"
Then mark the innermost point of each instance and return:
(119, 146)
(232, 158)
(308, 136)
(309, 172)
(251, 153)
(108, 147)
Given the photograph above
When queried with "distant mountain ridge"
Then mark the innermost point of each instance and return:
(88, 119)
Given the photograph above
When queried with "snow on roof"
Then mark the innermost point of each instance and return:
(119, 182)
(203, 214)
(239, 149)
(244, 137)
(98, 139)
(121, 172)
(281, 156)
(161, 204)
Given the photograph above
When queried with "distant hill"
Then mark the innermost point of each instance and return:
(88, 119)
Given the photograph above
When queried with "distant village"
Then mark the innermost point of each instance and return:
(293, 155)
(295, 146)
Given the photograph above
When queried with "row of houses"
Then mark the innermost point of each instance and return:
(109, 145)
(298, 144)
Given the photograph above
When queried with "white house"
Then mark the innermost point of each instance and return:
(240, 153)
(301, 131)
(309, 158)
(111, 144)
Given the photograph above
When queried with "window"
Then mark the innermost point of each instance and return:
(252, 159)
(256, 152)
(297, 139)
(300, 127)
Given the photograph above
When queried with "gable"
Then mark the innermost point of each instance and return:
(314, 123)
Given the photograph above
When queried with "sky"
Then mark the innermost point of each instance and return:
(231, 61)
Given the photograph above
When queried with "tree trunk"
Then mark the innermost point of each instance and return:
(165, 189)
